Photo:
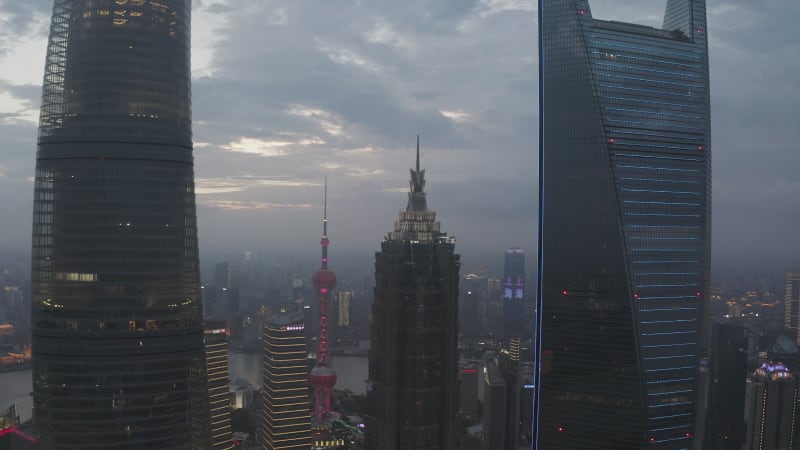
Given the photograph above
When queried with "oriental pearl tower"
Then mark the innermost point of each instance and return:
(322, 377)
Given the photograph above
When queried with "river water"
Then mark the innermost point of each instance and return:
(15, 387)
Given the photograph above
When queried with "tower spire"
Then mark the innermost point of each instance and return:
(416, 198)
(417, 153)
(325, 242)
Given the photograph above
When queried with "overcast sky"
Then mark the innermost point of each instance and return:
(288, 92)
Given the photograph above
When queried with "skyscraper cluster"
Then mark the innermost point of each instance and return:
(120, 356)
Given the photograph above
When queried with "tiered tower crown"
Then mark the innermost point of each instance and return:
(417, 223)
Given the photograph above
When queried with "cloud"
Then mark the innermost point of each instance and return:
(232, 205)
(456, 116)
(272, 147)
(225, 185)
(286, 93)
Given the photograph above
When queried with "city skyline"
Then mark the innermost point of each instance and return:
(483, 153)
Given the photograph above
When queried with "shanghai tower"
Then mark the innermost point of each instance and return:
(117, 320)
(624, 233)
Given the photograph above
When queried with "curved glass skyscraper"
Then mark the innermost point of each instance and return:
(117, 321)
(625, 192)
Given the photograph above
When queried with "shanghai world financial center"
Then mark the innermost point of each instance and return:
(624, 227)
(624, 230)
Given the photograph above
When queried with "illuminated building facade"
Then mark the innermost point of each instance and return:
(344, 300)
(322, 377)
(792, 305)
(771, 408)
(117, 329)
(413, 359)
(286, 421)
(219, 403)
(625, 171)
(513, 293)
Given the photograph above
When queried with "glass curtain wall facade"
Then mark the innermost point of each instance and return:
(118, 358)
(413, 361)
(624, 227)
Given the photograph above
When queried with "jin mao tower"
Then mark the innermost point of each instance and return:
(413, 361)
(624, 234)
(116, 316)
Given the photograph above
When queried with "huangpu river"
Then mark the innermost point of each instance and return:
(15, 387)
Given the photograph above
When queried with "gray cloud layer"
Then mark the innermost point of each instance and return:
(286, 93)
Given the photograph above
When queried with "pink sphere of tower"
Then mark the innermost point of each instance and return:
(322, 376)
(324, 280)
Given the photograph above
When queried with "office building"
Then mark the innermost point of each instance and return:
(526, 388)
(495, 424)
(508, 361)
(117, 328)
(219, 404)
(771, 406)
(344, 300)
(473, 295)
(625, 171)
(792, 305)
(413, 359)
(286, 420)
(513, 293)
(728, 375)
(468, 385)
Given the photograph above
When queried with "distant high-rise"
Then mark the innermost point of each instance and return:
(344, 299)
(513, 293)
(413, 361)
(468, 385)
(286, 421)
(728, 375)
(624, 254)
(116, 313)
(771, 407)
(219, 403)
(495, 423)
(792, 305)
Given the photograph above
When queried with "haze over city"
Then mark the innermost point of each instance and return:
(285, 94)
